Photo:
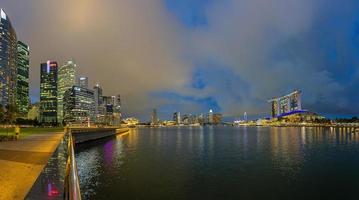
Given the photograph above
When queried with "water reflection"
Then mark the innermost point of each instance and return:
(220, 163)
(50, 184)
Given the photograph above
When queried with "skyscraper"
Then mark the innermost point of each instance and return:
(48, 92)
(117, 110)
(22, 90)
(66, 79)
(210, 117)
(98, 101)
(83, 82)
(109, 109)
(79, 105)
(177, 118)
(286, 104)
(154, 118)
(8, 49)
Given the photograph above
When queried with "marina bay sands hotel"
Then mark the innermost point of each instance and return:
(286, 105)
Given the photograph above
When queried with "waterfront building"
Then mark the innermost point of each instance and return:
(48, 92)
(131, 121)
(66, 80)
(286, 104)
(185, 119)
(116, 101)
(8, 56)
(301, 116)
(22, 79)
(169, 123)
(177, 118)
(83, 82)
(117, 110)
(79, 105)
(245, 118)
(109, 111)
(154, 118)
(217, 118)
(210, 117)
(98, 101)
(201, 119)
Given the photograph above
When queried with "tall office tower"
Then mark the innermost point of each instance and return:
(117, 103)
(79, 105)
(8, 49)
(177, 117)
(48, 92)
(154, 118)
(22, 90)
(108, 110)
(210, 117)
(83, 82)
(98, 101)
(117, 110)
(66, 79)
(245, 117)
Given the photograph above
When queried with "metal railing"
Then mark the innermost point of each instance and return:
(72, 184)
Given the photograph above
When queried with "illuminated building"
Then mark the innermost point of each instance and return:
(177, 117)
(109, 110)
(8, 56)
(66, 79)
(245, 117)
(83, 82)
(116, 110)
(98, 101)
(131, 121)
(286, 104)
(302, 116)
(201, 119)
(210, 117)
(154, 118)
(48, 92)
(217, 118)
(79, 105)
(22, 88)
(186, 119)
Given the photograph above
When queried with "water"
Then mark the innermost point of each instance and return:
(222, 163)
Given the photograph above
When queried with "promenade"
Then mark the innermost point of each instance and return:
(22, 161)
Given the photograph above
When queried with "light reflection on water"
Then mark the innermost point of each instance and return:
(221, 163)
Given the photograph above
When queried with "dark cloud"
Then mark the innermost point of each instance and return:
(239, 54)
(280, 45)
(129, 47)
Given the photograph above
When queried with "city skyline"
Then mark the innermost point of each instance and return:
(232, 67)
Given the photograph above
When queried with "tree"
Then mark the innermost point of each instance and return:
(10, 114)
(2, 113)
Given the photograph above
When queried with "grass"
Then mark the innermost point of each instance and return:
(24, 132)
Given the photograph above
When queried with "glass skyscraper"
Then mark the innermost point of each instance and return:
(8, 49)
(98, 101)
(66, 79)
(83, 82)
(22, 89)
(79, 105)
(48, 92)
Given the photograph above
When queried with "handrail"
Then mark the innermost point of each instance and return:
(72, 185)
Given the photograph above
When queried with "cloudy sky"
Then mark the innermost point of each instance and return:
(193, 55)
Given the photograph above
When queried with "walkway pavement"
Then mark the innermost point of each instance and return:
(22, 161)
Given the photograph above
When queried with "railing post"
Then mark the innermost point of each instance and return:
(72, 185)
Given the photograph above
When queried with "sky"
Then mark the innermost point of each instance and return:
(194, 55)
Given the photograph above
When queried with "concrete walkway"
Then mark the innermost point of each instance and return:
(22, 161)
